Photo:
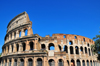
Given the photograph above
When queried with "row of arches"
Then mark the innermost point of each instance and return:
(51, 62)
(16, 34)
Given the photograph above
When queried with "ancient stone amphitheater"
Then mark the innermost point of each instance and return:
(23, 48)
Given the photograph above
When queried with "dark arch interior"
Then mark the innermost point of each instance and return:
(39, 59)
(73, 63)
(43, 46)
(59, 47)
(17, 47)
(29, 59)
(75, 37)
(68, 62)
(51, 46)
(88, 44)
(21, 60)
(81, 49)
(66, 49)
(77, 50)
(24, 46)
(31, 45)
(26, 31)
(89, 52)
(71, 50)
(85, 50)
(51, 60)
(15, 60)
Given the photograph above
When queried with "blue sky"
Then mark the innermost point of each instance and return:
(81, 17)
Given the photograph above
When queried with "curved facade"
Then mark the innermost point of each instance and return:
(23, 48)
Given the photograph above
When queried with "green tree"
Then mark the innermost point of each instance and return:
(96, 46)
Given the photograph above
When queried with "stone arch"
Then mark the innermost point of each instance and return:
(24, 46)
(51, 46)
(85, 49)
(70, 43)
(89, 51)
(43, 47)
(21, 62)
(77, 49)
(12, 47)
(83, 63)
(39, 62)
(30, 62)
(15, 62)
(72, 62)
(10, 62)
(66, 49)
(14, 34)
(71, 50)
(20, 33)
(87, 63)
(26, 32)
(78, 62)
(17, 47)
(51, 62)
(60, 62)
(94, 63)
(81, 49)
(91, 62)
(68, 62)
(31, 45)
(5, 62)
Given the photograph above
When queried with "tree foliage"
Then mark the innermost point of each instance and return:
(96, 46)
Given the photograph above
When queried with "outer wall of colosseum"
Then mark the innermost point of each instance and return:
(23, 48)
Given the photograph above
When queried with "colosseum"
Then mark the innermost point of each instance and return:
(23, 48)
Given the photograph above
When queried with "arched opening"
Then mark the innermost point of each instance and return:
(19, 33)
(88, 45)
(87, 63)
(17, 45)
(77, 50)
(39, 62)
(68, 62)
(78, 63)
(59, 47)
(94, 63)
(9, 62)
(81, 49)
(30, 62)
(12, 48)
(72, 63)
(14, 34)
(26, 31)
(66, 49)
(60, 62)
(70, 43)
(51, 46)
(64, 36)
(84, 39)
(71, 50)
(15, 62)
(85, 50)
(24, 46)
(43, 46)
(8, 48)
(51, 62)
(91, 62)
(21, 62)
(75, 37)
(89, 52)
(31, 46)
(83, 62)
(11, 36)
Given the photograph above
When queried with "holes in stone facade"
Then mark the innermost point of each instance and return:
(70, 43)
(64, 36)
(85, 50)
(59, 47)
(60, 62)
(26, 31)
(88, 45)
(24, 46)
(72, 63)
(30, 62)
(84, 39)
(15, 35)
(51, 46)
(21, 62)
(68, 62)
(77, 50)
(71, 50)
(66, 49)
(19, 33)
(15, 62)
(81, 49)
(43, 46)
(89, 52)
(75, 37)
(17, 45)
(31, 45)
(78, 63)
(51, 62)
(39, 62)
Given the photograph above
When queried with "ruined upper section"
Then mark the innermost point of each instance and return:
(18, 20)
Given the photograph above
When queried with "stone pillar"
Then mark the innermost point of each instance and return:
(30, 31)
(81, 62)
(79, 51)
(20, 47)
(6, 49)
(10, 49)
(68, 49)
(44, 61)
(35, 44)
(26, 62)
(27, 46)
(56, 63)
(85, 63)
(18, 62)
(17, 34)
(15, 48)
(9, 36)
(12, 63)
(13, 35)
(65, 63)
(23, 33)
(74, 50)
(34, 62)
(75, 63)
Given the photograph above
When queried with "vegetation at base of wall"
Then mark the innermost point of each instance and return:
(96, 46)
